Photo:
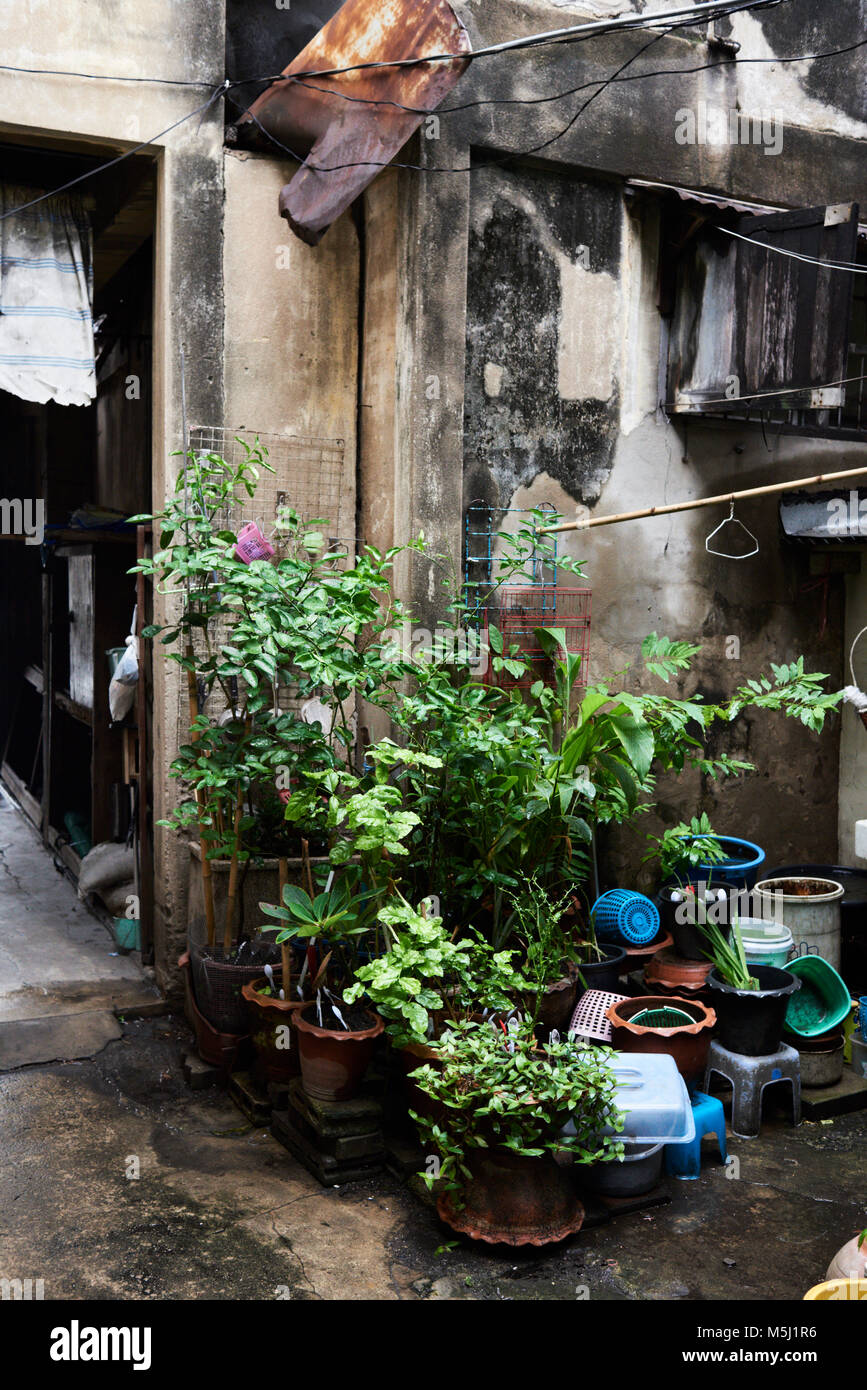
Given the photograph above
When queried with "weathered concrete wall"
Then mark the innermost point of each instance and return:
(174, 40)
(553, 393)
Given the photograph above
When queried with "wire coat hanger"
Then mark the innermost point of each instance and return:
(731, 519)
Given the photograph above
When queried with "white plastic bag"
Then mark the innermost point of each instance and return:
(121, 691)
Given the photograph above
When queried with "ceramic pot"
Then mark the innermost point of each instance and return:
(513, 1200)
(333, 1061)
(687, 1043)
(271, 1031)
(639, 957)
(669, 973)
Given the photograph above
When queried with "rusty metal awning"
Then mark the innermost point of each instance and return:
(346, 127)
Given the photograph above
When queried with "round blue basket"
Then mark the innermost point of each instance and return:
(625, 916)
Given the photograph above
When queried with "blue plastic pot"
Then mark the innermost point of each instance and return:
(739, 869)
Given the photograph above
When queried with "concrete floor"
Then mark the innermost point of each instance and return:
(61, 977)
(119, 1182)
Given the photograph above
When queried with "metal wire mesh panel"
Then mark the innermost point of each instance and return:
(309, 477)
(309, 480)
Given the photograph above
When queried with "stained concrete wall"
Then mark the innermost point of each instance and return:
(527, 294)
(172, 40)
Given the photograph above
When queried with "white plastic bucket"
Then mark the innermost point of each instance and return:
(765, 943)
(813, 921)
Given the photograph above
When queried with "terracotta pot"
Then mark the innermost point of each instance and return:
(638, 957)
(271, 1032)
(216, 1048)
(669, 973)
(512, 1200)
(687, 1043)
(333, 1061)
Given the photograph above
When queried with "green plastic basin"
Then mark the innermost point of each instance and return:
(823, 1000)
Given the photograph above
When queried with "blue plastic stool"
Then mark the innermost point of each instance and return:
(684, 1160)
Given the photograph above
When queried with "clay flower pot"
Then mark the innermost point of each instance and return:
(273, 1037)
(687, 1043)
(333, 1061)
(638, 957)
(513, 1200)
(413, 1056)
(669, 973)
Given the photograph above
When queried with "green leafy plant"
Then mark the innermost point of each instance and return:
(311, 622)
(684, 847)
(729, 958)
(493, 1091)
(424, 978)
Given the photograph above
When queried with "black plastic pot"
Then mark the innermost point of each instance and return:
(751, 1021)
(688, 938)
(602, 974)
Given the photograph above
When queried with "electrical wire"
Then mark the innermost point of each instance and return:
(452, 169)
(558, 96)
(91, 173)
(734, 401)
(854, 267)
(701, 13)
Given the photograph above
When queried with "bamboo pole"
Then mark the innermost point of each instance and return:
(233, 872)
(207, 883)
(584, 524)
(285, 948)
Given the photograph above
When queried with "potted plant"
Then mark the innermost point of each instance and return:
(686, 899)
(751, 1000)
(502, 1104)
(335, 1038)
(247, 633)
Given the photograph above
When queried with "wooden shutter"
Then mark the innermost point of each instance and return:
(747, 320)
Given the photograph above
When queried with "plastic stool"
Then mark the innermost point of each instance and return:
(684, 1160)
(749, 1076)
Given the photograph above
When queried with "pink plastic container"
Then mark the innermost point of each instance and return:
(252, 545)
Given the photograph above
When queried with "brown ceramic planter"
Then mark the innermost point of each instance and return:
(513, 1200)
(688, 1044)
(216, 1048)
(276, 1060)
(669, 973)
(638, 957)
(333, 1062)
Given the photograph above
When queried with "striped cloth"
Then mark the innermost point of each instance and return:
(46, 299)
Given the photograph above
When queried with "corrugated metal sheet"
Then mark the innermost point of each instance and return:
(344, 142)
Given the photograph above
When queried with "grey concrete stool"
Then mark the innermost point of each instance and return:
(749, 1076)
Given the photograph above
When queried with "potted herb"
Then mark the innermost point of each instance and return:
(502, 1105)
(750, 1000)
